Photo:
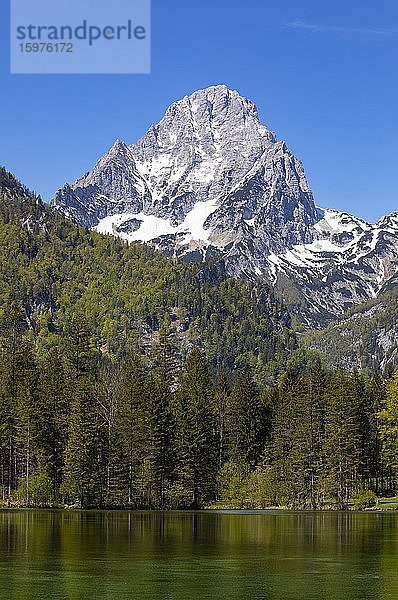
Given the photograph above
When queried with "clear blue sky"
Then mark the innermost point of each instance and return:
(323, 74)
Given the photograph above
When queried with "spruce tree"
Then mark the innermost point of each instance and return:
(369, 396)
(108, 388)
(161, 438)
(82, 472)
(375, 463)
(15, 387)
(197, 439)
(247, 420)
(221, 404)
(26, 447)
(51, 418)
(132, 430)
(165, 355)
(388, 425)
(298, 433)
(341, 447)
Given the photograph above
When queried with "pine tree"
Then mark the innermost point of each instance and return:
(132, 430)
(247, 421)
(82, 472)
(342, 436)
(15, 386)
(197, 438)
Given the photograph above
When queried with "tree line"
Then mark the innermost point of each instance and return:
(78, 428)
(126, 291)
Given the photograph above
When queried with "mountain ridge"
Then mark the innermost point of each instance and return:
(128, 293)
(195, 154)
(210, 181)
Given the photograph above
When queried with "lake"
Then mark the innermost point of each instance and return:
(265, 555)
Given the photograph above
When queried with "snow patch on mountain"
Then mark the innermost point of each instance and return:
(336, 233)
(211, 180)
(349, 262)
(150, 227)
(209, 151)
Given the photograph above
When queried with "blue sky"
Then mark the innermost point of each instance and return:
(323, 75)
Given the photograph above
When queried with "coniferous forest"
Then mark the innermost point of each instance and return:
(132, 380)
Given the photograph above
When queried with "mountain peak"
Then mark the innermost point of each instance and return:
(118, 144)
(9, 183)
(11, 187)
(198, 181)
(390, 220)
(220, 95)
(214, 107)
(118, 148)
(209, 180)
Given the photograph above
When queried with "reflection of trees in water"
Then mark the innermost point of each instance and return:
(182, 555)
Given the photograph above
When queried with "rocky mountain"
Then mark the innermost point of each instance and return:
(366, 337)
(210, 181)
(348, 263)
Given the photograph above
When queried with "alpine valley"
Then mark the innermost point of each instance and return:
(184, 328)
(209, 181)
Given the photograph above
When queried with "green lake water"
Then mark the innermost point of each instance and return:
(83, 555)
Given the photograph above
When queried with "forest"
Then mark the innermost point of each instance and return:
(131, 380)
(81, 430)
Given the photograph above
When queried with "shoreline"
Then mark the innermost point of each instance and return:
(219, 510)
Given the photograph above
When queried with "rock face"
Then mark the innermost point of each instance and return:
(209, 180)
(364, 338)
(113, 187)
(348, 263)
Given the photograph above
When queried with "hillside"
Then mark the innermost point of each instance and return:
(107, 401)
(127, 292)
(366, 337)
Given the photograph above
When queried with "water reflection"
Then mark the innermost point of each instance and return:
(183, 555)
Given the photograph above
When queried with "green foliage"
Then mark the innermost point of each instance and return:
(161, 446)
(81, 470)
(132, 429)
(231, 482)
(17, 395)
(241, 488)
(388, 418)
(103, 401)
(176, 496)
(358, 339)
(341, 446)
(85, 430)
(262, 488)
(36, 490)
(298, 432)
(127, 292)
(364, 499)
(197, 441)
(247, 421)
